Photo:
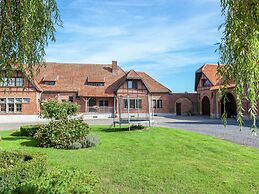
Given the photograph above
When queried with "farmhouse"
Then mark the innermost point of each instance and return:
(101, 90)
(106, 90)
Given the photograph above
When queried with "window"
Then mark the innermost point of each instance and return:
(95, 83)
(157, 103)
(71, 99)
(132, 84)
(2, 100)
(139, 103)
(2, 107)
(49, 83)
(103, 103)
(125, 103)
(134, 103)
(18, 107)
(12, 82)
(19, 81)
(92, 102)
(11, 100)
(26, 100)
(18, 100)
(10, 107)
(206, 83)
(154, 103)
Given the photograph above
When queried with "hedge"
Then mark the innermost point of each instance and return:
(29, 130)
(18, 167)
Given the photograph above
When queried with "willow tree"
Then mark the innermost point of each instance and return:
(239, 50)
(26, 26)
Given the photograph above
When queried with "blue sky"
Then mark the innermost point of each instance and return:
(168, 39)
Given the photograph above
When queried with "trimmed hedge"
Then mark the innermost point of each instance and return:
(29, 130)
(17, 167)
(61, 134)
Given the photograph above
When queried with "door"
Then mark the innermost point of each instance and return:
(178, 108)
(205, 106)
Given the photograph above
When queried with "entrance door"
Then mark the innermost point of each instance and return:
(178, 108)
(205, 106)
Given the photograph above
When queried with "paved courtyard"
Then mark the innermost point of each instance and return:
(203, 125)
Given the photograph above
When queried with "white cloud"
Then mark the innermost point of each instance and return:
(140, 41)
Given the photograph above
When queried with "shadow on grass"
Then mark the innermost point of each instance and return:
(15, 138)
(29, 142)
(122, 129)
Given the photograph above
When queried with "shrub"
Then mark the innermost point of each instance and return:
(59, 110)
(29, 130)
(62, 182)
(89, 141)
(61, 134)
(75, 146)
(18, 167)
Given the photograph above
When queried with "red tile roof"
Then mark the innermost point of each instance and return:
(153, 85)
(210, 71)
(74, 77)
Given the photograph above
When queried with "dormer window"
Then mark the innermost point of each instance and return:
(132, 84)
(95, 83)
(49, 83)
(206, 83)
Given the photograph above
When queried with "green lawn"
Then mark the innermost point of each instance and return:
(158, 160)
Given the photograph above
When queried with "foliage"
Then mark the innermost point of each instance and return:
(239, 49)
(62, 182)
(89, 141)
(29, 130)
(159, 160)
(25, 29)
(61, 134)
(75, 146)
(58, 110)
(18, 167)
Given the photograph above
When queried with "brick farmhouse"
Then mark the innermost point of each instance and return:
(207, 85)
(104, 90)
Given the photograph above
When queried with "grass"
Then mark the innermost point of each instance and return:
(158, 160)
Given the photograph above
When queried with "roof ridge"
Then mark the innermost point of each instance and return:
(71, 63)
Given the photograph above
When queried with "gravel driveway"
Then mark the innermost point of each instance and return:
(213, 127)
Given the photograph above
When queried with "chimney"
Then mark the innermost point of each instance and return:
(114, 66)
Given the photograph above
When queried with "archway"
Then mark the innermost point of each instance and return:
(183, 106)
(230, 106)
(205, 106)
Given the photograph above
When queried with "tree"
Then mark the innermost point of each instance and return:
(26, 26)
(59, 110)
(239, 50)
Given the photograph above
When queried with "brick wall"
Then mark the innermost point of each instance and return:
(31, 108)
(189, 101)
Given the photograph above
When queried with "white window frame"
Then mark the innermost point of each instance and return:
(14, 101)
